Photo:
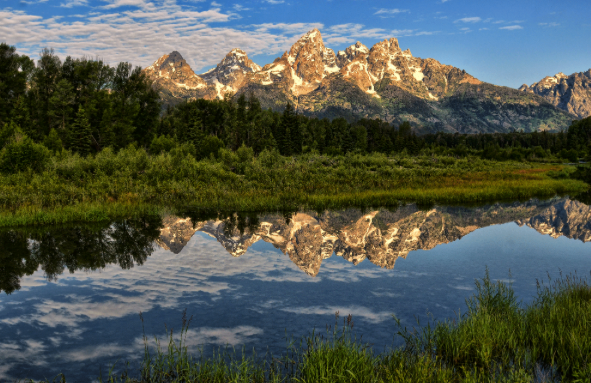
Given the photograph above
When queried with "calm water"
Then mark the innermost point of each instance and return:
(71, 296)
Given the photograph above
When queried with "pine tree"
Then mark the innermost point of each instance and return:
(287, 131)
(60, 104)
(80, 140)
(53, 141)
(21, 116)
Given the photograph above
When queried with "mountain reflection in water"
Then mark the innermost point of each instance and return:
(380, 236)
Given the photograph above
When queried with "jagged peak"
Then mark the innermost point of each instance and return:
(237, 52)
(356, 48)
(175, 55)
(171, 58)
(389, 45)
(312, 34)
(237, 55)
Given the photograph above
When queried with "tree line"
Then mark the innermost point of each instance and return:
(84, 105)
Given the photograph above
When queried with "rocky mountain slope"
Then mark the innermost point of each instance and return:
(382, 82)
(571, 93)
(176, 80)
(379, 236)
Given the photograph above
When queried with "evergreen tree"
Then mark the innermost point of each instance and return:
(241, 124)
(60, 104)
(289, 130)
(359, 136)
(80, 132)
(106, 135)
(53, 142)
(14, 73)
(7, 133)
(20, 115)
(297, 141)
(44, 81)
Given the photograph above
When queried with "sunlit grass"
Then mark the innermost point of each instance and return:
(111, 186)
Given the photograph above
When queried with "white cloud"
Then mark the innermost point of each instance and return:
(512, 27)
(140, 31)
(275, 1)
(389, 12)
(425, 33)
(550, 25)
(126, 3)
(215, 4)
(74, 3)
(357, 312)
(468, 20)
(238, 7)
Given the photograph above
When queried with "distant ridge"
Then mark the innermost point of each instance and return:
(571, 93)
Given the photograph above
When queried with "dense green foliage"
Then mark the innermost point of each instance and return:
(498, 339)
(243, 181)
(87, 103)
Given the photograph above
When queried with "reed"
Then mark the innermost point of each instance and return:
(113, 185)
(497, 339)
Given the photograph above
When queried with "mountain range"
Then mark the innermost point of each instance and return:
(380, 236)
(379, 82)
(571, 93)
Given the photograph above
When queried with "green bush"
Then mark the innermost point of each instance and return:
(53, 141)
(269, 158)
(162, 144)
(21, 153)
(208, 146)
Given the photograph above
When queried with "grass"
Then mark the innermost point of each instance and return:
(498, 339)
(115, 185)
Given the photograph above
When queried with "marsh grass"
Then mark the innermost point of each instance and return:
(497, 339)
(113, 185)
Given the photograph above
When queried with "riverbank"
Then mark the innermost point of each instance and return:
(114, 185)
(497, 339)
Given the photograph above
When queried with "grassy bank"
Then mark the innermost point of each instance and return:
(497, 339)
(112, 185)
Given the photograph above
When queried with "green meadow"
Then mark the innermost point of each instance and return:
(131, 181)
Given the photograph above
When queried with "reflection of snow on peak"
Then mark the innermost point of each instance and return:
(379, 236)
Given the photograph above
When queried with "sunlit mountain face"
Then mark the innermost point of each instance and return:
(71, 295)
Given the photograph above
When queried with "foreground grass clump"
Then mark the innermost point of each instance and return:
(496, 340)
(111, 185)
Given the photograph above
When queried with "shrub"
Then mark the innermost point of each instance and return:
(53, 141)
(162, 144)
(269, 158)
(208, 146)
(21, 153)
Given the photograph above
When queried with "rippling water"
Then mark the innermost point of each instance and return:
(71, 295)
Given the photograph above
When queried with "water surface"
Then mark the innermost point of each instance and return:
(71, 296)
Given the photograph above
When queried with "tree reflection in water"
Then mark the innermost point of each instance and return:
(78, 247)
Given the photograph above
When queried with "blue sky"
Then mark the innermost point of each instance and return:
(505, 42)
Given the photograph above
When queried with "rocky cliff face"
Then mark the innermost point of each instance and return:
(379, 236)
(175, 79)
(229, 75)
(570, 93)
(382, 82)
